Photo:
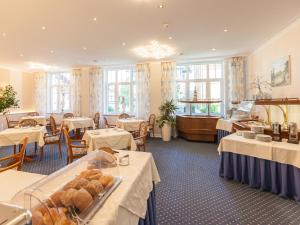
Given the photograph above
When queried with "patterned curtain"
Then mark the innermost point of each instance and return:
(75, 92)
(235, 79)
(168, 80)
(143, 90)
(96, 90)
(40, 92)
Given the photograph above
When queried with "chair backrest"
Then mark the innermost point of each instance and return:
(143, 131)
(53, 124)
(18, 158)
(97, 119)
(105, 122)
(10, 124)
(68, 115)
(151, 120)
(28, 123)
(124, 116)
(33, 114)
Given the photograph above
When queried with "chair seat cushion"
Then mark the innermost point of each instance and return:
(79, 151)
(51, 139)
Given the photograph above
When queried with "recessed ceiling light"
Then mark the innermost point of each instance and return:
(51, 51)
(123, 43)
(170, 38)
(95, 18)
(225, 30)
(154, 50)
(84, 48)
(161, 5)
(3, 34)
(213, 49)
(166, 25)
(43, 28)
(21, 55)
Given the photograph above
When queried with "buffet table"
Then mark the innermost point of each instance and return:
(269, 166)
(133, 202)
(114, 138)
(224, 128)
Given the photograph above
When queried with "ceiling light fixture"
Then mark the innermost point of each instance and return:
(166, 25)
(213, 49)
(21, 55)
(225, 30)
(3, 34)
(124, 44)
(161, 6)
(95, 18)
(84, 48)
(170, 38)
(43, 28)
(154, 50)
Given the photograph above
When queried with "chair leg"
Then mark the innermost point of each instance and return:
(35, 147)
(41, 153)
(153, 132)
(15, 149)
(59, 149)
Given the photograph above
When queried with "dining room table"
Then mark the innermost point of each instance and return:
(115, 138)
(76, 123)
(133, 202)
(130, 124)
(41, 120)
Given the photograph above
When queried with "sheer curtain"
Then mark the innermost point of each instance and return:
(235, 79)
(96, 90)
(75, 91)
(143, 90)
(40, 92)
(168, 80)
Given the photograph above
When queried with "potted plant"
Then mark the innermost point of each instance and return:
(166, 120)
(8, 99)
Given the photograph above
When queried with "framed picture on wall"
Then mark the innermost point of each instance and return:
(281, 72)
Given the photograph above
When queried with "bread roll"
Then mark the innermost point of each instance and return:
(71, 184)
(106, 180)
(50, 217)
(94, 187)
(88, 173)
(82, 199)
(55, 199)
(37, 218)
(67, 196)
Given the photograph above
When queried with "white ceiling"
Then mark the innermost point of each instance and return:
(195, 25)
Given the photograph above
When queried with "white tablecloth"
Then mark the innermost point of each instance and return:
(281, 152)
(129, 124)
(39, 119)
(13, 136)
(78, 123)
(125, 206)
(114, 138)
(225, 124)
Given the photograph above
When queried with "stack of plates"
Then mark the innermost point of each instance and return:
(263, 137)
(249, 134)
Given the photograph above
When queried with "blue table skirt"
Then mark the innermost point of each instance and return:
(150, 218)
(278, 178)
(221, 134)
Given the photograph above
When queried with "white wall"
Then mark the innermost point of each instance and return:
(286, 43)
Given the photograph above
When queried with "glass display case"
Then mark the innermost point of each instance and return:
(73, 194)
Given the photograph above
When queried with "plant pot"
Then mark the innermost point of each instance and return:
(166, 132)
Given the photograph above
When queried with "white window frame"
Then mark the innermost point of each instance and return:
(51, 86)
(132, 83)
(207, 80)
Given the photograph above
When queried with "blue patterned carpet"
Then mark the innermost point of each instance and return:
(191, 192)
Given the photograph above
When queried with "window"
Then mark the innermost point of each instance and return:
(207, 79)
(120, 93)
(59, 89)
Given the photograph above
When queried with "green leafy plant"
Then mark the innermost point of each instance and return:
(8, 99)
(167, 113)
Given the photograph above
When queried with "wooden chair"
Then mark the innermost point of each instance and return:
(68, 115)
(141, 139)
(33, 114)
(97, 120)
(74, 151)
(107, 125)
(51, 138)
(15, 160)
(53, 125)
(11, 123)
(151, 124)
(28, 123)
(124, 116)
